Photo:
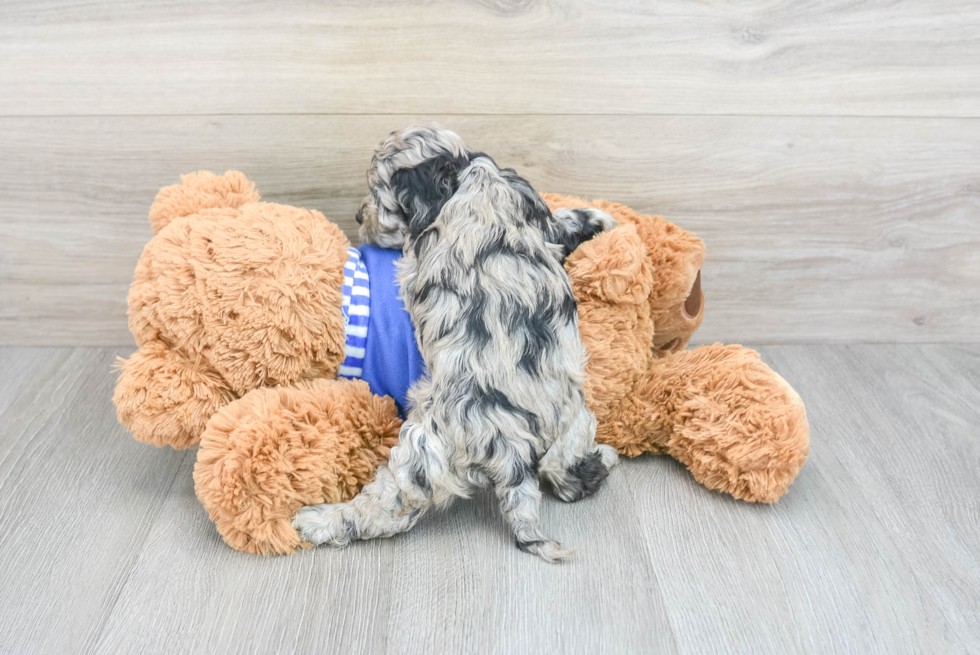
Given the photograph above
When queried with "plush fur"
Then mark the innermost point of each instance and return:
(231, 294)
(321, 440)
(736, 424)
(497, 326)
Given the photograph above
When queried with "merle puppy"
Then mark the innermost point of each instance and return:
(497, 326)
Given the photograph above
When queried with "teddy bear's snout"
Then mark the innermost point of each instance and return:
(693, 304)
(678, 323)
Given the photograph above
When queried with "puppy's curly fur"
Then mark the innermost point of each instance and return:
(497, 326)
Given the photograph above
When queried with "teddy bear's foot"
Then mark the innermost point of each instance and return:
(274, 450)
(737, 425)
(165, 399)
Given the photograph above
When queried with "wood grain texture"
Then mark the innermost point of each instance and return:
(821, 57)
(456, 584)
(913, 455)
(220, 600)
(105, 548)
(77, 499)
(817, 229)
(873, 533)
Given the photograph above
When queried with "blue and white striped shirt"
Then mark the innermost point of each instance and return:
(380, 343)
(357, 311)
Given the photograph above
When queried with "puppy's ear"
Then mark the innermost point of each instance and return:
(422, 190)
(535, 209)
(567, 228)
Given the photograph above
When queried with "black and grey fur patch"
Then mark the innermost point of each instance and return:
(529, 545)
(423, 189)
(584, 477)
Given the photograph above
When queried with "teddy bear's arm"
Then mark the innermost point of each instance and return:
(611, 268)
(611, 279)
(164, 398)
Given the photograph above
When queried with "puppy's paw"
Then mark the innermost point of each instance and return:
(587, 221)
(322, 524)
(549, 551)
(601, 221)
(582, 478)
(607, 455)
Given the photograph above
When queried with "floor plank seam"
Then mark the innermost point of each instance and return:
(96, 641)
(649, 555)
(306, 605)
(63, 405)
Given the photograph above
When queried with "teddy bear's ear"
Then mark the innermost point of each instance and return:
(612, 267)
(200, 190)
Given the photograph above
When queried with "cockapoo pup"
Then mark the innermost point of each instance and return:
(497, 326)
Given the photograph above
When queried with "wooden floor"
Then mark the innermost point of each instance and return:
(104, 547)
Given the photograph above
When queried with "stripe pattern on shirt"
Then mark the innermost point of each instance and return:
(357, 308)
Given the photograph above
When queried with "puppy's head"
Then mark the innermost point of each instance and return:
(412, 175)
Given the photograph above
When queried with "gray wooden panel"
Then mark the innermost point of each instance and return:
(459, 585)
(77, 499)
(912, 444)
(821, 57)
(818, 229)
(22, 368)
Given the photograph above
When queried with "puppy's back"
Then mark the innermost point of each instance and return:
(492, 306)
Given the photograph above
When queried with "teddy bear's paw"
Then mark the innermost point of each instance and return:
(322, 524)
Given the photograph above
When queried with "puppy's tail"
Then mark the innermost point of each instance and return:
(549, 551)
(522, 516)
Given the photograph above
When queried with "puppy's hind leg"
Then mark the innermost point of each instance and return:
(415, 479)
(378, 511)
(575, 465)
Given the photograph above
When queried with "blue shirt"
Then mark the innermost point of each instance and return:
(392, 361)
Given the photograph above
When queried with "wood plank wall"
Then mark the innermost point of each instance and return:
(827, 151)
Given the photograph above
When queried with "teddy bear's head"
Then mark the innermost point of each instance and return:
(231, 294)
(670, 280)
(676, 257)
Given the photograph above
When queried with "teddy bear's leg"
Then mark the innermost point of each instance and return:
(164, 398)
(422, 474)
(737, 425)
(274, 450)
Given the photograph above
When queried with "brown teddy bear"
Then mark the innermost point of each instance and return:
(236, 309)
